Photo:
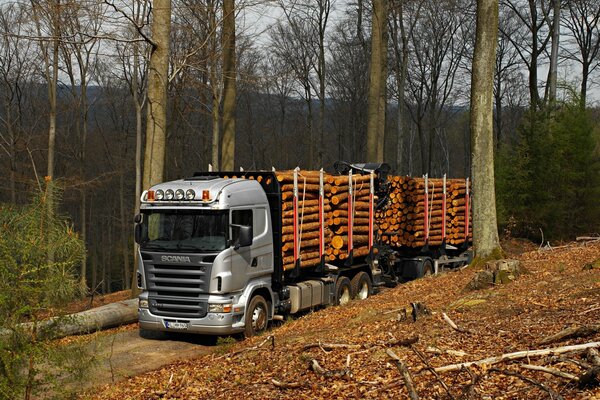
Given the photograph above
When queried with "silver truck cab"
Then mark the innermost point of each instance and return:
(205, 253)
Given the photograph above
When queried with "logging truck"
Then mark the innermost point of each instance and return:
(227, 252)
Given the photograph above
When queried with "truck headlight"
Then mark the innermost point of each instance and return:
(190, 194)
(219, 308)
(169, 194)
(159, 195)
(179, 194)
(143, 303)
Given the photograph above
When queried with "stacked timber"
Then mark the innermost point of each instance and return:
(337, 218)
(402, 222)
(308, 217)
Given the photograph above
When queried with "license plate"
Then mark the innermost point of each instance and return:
(176, 325)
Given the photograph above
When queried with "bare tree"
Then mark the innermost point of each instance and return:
(229, 83)
(530, 37)
(582, 23)
(17, 59)
(81, 24)
(291, 45)
(154, 160)
(440, 44)
(485, 231)
(378, 82)
(401, 29)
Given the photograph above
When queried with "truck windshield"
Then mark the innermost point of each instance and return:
(185, 230)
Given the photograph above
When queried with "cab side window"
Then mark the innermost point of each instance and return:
(240, 217)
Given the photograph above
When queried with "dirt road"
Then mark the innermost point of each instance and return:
(125, 354)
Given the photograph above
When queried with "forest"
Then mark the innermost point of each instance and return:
(74, 103)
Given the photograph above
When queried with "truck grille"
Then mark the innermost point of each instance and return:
(175, 289)
(170, 307)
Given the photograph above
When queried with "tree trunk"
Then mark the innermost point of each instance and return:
(229, 78)
(154, 160)
(485, 230)
(214, 85)
(374, 113)
(124, 233)
(552, 72)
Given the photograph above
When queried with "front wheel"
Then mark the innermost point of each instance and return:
(257, 316)
(343, 291)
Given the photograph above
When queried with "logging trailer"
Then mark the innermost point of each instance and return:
(226, 252)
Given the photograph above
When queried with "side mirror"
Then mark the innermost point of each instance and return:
(138, 218)
(137, 233)
(244, 236)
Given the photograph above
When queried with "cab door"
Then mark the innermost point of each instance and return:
(257, 259)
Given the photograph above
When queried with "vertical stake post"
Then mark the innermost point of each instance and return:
(321, 216)
(296, 231)
(371, 209)
(426, 211)
(444, 211)
(350, 214)
(467, 211)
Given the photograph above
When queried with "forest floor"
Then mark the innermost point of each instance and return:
(343, 352)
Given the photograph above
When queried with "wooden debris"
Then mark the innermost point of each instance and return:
(572, 332)
(452, 324)
(408, 382)
(518, 355)
(591, 377)
(551, 371)
(553, 394)
(284, 385)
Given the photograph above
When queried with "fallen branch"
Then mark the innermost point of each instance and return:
(553, 394)
(343, 373)
(470, 388)
(592, 376)
(402, 342)
(587, 238)
(518, 355)
(269, 338)
(437, 350)
(331, 346)
(405, 374)
(284, 385)
(430, 368)
(452, 324)
(572, 332)
(550, 371)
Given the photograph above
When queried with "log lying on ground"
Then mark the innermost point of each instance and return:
(572, 332)
(99, 318)
(518, 355)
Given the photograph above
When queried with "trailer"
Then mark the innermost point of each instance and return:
(227, 252)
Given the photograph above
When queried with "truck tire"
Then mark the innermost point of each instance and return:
(257, 316)
(427, 267)
(361, 286)
(343, 291)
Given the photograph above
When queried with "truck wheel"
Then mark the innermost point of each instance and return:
(427, 268)
(361, 286)
(343, 291)
(257, 317)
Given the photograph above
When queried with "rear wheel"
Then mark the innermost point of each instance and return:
(361, 286)
(257, 316)
(343, 291)
(427, 267)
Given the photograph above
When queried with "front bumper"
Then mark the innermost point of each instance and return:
(211, 324)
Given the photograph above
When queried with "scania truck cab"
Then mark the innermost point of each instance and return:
(206, 257)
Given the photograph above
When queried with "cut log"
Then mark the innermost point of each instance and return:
(103, 317)
(518, 355)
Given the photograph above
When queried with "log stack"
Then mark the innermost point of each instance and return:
(401, 223)
(337, 218)
(308, 216)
